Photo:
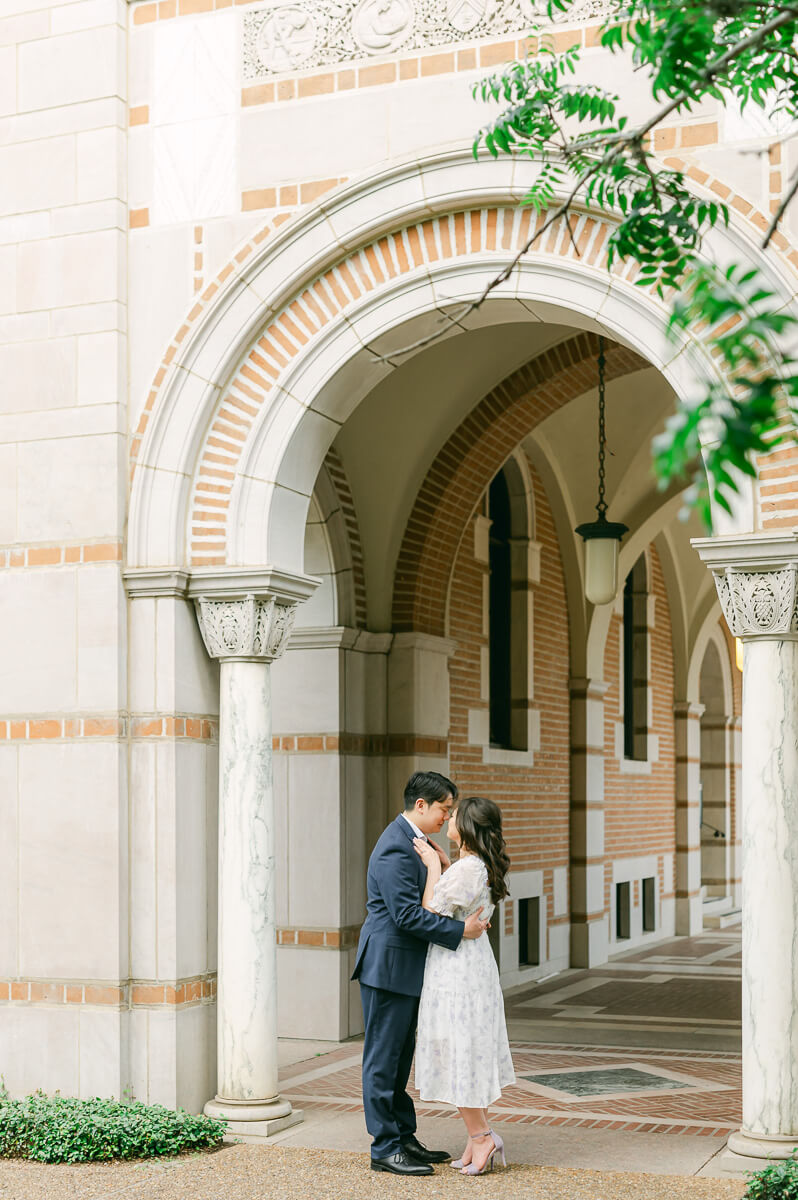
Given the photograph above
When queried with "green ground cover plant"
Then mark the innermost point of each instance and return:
(62, 1129)
(777, 1182)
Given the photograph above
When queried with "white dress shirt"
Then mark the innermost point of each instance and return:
(415, 827)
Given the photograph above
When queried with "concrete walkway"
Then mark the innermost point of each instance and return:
(280, 1173)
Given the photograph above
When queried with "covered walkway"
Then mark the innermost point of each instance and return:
(631, 1066)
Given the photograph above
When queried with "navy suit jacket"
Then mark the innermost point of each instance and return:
(392, 949)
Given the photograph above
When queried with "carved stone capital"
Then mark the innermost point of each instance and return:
(758, 603)
(252, 627)
(757, 583)
(247, 613)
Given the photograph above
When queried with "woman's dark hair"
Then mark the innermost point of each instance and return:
(479, 823)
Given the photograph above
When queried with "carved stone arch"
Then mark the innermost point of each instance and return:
(279, 349)
(710, 631)
(339, 526)
(677, 609)
(715, 662)
(522, 496)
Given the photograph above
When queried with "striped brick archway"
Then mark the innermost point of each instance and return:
(421, 247)
(470, 459)
(300, 330)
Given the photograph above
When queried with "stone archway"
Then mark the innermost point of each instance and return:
(269, 365)
(300, 327)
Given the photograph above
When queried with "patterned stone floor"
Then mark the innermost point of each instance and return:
(648, 1043)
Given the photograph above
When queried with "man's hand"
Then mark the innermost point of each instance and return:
(474, 927)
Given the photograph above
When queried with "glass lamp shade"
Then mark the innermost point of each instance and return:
(602, 542)
(601, 570)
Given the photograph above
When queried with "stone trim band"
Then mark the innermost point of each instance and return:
(126, 993)
(156, 993)
(206, 729)
(61, 555)
(54, 727)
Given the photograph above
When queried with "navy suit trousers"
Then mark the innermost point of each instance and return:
(387, 1056)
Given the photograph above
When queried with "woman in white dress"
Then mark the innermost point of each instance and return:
(462, 1052)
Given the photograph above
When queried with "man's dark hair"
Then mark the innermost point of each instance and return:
(430, 786)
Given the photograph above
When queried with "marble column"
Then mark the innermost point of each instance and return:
(246, 633)
(757, 582)
(589, 921)
(687, 737)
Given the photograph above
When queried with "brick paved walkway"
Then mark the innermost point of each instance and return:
(652, 1047)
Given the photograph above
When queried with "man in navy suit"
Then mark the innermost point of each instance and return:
(390, 962)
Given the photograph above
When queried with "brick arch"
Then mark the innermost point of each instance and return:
(242, 410)
(473, 454)
(751, 217)
(346, 507)
(421, 245)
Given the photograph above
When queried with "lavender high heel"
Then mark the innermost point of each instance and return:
(458, 1164)
(498, 1148)
(499, 1144)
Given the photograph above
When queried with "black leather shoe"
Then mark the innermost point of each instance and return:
(401, 1164)
(415, 1151)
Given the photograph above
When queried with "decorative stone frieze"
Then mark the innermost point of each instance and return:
(248, 628)
(757, 583)
(321, 33)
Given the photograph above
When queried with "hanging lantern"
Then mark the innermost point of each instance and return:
(602, 537)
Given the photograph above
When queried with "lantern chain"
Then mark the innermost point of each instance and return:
(601, 507)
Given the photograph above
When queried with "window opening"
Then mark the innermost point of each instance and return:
(529, 932)
(635, 662)
(649, 910)
(622, 911)
(500, 602)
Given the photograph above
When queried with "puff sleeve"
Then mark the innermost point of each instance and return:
(458, 888)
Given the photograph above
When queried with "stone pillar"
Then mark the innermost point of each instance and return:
(246, 633)
(589, 929)
(418, 710)
(687, 740)
(757, 582)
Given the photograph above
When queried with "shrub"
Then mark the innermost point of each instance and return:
(61, 1129)
(779, 1181)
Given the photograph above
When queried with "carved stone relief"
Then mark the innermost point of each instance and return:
(306, 34)
(248, 628)
(759, 602)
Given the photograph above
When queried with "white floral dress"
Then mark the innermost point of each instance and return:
(462, 1052)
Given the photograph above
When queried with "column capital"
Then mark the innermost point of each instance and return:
(247, 614)
(756, 576)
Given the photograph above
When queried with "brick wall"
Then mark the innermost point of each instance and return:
(534, 800)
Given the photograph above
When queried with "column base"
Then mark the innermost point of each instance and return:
(589, 943)
(689, 915)
(254, 1120)
(746, 1153)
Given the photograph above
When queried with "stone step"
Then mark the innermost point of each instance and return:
(724, 920)
(714, 906)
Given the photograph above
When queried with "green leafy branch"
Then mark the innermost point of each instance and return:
(589, 153)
